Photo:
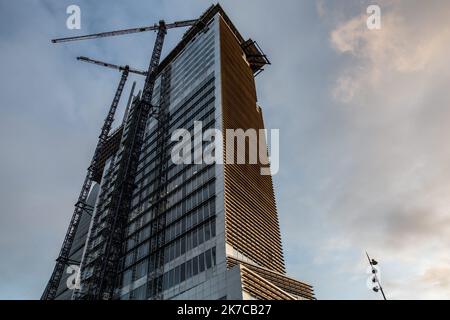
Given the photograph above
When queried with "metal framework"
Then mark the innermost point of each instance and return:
(103, 268)
(155, 27)
(102, 260)
(112, 66)
(81, 206)
(255, 56)
(158, 224)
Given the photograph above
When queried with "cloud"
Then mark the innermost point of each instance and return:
(438, 276)
(401, 46)
(391, 88)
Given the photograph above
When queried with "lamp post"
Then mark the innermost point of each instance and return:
(375, 279)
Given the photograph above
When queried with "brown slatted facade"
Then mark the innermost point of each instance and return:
(281, 281)
(251, 220)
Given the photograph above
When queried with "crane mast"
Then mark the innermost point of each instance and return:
(102, 279)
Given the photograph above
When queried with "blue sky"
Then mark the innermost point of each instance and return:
(363, 118)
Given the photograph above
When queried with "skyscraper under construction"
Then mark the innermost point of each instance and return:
(153, 229)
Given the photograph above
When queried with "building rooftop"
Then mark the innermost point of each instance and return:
(256, 58)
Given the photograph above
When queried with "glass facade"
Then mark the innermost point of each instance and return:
(189, 190)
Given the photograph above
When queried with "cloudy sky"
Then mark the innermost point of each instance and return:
(363, 118)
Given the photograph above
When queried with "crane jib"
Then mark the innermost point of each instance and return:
(155, 27)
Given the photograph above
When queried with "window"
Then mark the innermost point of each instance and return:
(189, 203)
(189, 241)
(177, 249)
(213, 228)
(140, 293)
(165, 281)
(207, 232)
(200, 235)
(151, 264)
(141, 269)
(183, 245)
(167, 254)
(198, 215)
(194, 218)
(194, 238)
(179, 210)
(213, 254)
(129, 259)
(177, 275)
(183, 272)
(189, 269)
(188, 222)
(127, 277)
(142, 250)
(172, 252)
(195, 266)
(171, 278)
(130, 243)
(145, 233)
(178, 226)
(208, 259)
(201, 262)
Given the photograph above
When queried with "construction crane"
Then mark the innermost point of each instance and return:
(155, 27)
(112, 66)
(125, 71)
(81, 206)
(105, 274)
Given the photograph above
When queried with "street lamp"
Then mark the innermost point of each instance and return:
(376, 282)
